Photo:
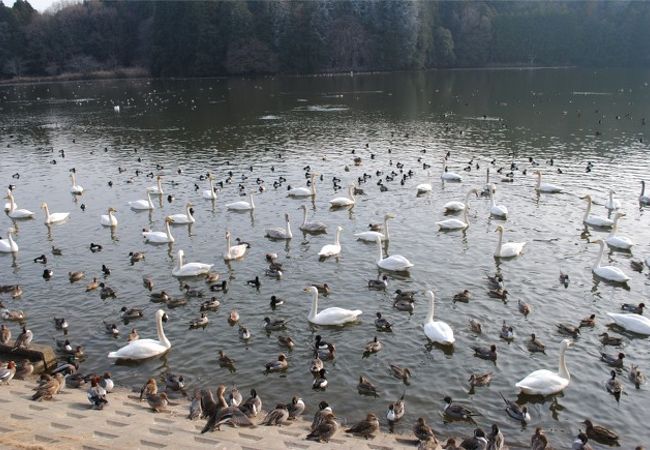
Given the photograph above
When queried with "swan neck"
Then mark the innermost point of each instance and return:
(189, 212)
(169, 232)
(465, 213)
(12, 203)
(314, 305)
(614, 226)
(180, 260)
(160, 186)
(498, 250)
(431, 308)
(149, 200)
(351, 192)
(600, 255)
(252, 202)
(386, 228)
(47, 212)
(338, 237)
(10, 238)
(642, 188)
(539, 180)
(74, 179)
(588, 208)
(563, 370)
(487, 177)
(381, 252)
(304, 216)
(161, 333)
(313, 186)
(288, 229)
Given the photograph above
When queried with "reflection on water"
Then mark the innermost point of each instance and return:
(182, 129)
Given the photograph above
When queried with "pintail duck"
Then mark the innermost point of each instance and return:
(454, 411)
(373, 346)
(402, 373)
(325, 429)
(253, 405)
(568, 329)
(613, 361)
(517, 412)
(366, 428)
(201, 322)
(379, 285)
(278, 416)
(365, 387)
(614, 386)
(279, 365)
(320, 382)
(296, 407)
(275, 325)
(535, 345)
(210, 305)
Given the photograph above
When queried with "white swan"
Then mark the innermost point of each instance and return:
(192, 269)
(183, 219)
(633, 322)
(499, 211)
(423, 188)
(280, 233)
(543, 381)
(455, 205)
(616, 241)
(488, 186)
(159, 237)
(13, 211)
(437, 331)
(209, 194)
(592, 220)
(145, 348)
(330, 316)
(643, 199)
(610, 273)
(109, 220)
(546, 188)
(394, 263)
(75, 188)
(234, 251)
(457, 224)
(305, 191)
(339, 202)
(611, 202)
(332, 249)
(311, 226)
(142, 205)
(242, 206)
(371, 236)
(9, 245)
(449, 176)
(54, 217)
(156, 190)
(509, 249)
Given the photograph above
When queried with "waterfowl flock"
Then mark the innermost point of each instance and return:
(212, 260)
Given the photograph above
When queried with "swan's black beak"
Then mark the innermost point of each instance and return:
(165, 318)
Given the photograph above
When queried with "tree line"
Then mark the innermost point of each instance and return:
(208, 38)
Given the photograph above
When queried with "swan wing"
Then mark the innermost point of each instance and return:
(424, 187)
(611, 273)
(619, 242)
(370, 236)
(300, 192)
(454, 206)
(451, 224)
(542, 382)
(439, 332)
(140, 349)
(632, 322)
(330, 250)
(336, 316)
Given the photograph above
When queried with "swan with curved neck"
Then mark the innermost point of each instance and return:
(643, 199)
(449, 176)
(499, 211)
(332, 249)
(546, 188)
(393, 263)
(209, 194)
(457, 224)
(53, 217)
(142, 205)
(75, 188)
(160, 237)
(145, 348)
(157, 189)
(509, 249)
(611, 202)
(183, 219)
(14, 212)
(371, 236)
(9, 245)
(332, 315)
(242, 206)
(455, 205)
(109, 219)
(304, 191)
(488, 187)
(609, 273)
(192, 269)
(233, 251)
(545, 382)
(437, 331)
(592, 220)
(616, 241)
(311, 226)
(281, 233)
(344, 201)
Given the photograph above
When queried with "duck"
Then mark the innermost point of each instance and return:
(244, 333)
(509, 249)
(515, 411)
(589, 321)
(76, 276)
(320, 381)
(366, 428)
(480, 379)
(286, 341)
(274, 325)
(507, 333)
(158, 402)
(234, 397)
(201, 322)
(535, 345)
(323, 288)
(608, 273)
(75, 189)
(111, 329)
(142, 205)
(613, 360)
(159, 237)
(373, 346)
(496, 281)
(220, 287)
(498, 211)
(276, 301)
(13, 212)
(524, 308)
(295, 407)
(209, 194)
(437, 331)
(41, 259)
(545, 382)
(455, 411)
(95, 247)
(48, 273)
(392, 263)
(233, 252)
(632, 322)
(12, 315)
(456, 206)
(280, 233)
(568, 329)
(324, 429)
(183, 219)
(546, 188)
(133, 257)
(191, 269)
(636, 376)
(599, 433)
(463, 296)
(242, 205)
(5, 334)
(279, 365)
(616, 241)
(109, 219)
(210, 305)
(613, 385)
(9, 245)
(51, 218)
(255, 282)
(342, 202)
(564, 279)
(160, 297)
(485, 352)
(592, 220)
(133, 335)
(365, 387)
(636, 309)
(145, 348)
(475, 326)
(606, 339)
(226, 361)
(25, 370)
(332, 249)
(332, 315)
(371, 236)
(177, 302)
(382, 324)
(277, 416)
(24, 339)
(311, 226)
(252, 406)
(301, 192)
(61, 324)
(378, 285)
(192, 292)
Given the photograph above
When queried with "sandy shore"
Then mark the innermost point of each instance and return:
(67, 422)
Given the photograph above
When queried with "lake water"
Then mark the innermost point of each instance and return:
(278, 126)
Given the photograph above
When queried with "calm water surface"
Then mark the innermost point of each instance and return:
(278, 126)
